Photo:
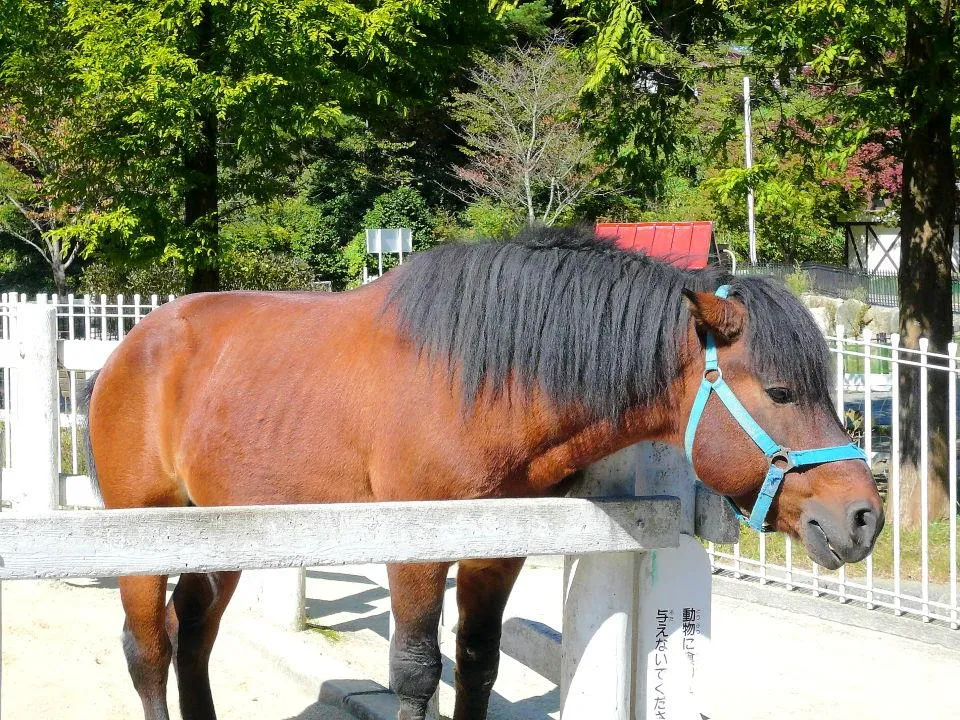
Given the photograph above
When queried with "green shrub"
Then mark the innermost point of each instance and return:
(265, 271)
(163, 277)
(798, 282)
(403, 207)
(239, 270)
(486, 219)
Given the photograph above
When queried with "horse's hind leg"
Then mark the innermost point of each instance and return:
(145, 641)
(483, 587)
(416, 596)
(193, 619)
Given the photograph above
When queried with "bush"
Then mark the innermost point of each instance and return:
(238, 271)
(794, 215)
(162, 277)
(486, 219)
(403, 207)
(264, 271)
(798, 282)
(291, 227)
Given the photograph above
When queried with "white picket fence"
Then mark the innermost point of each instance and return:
(88, 327)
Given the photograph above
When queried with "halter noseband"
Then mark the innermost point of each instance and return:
(782, 460)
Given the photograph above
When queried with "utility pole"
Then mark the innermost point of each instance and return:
(748, 152)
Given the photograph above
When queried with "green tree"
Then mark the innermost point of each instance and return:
(187, 110)
(403, 207)
(522, 133)
(40, 205)
(642, 78)
(800, 186)
(890, 65)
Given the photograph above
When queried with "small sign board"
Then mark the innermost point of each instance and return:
(389, 240)
(674, 642)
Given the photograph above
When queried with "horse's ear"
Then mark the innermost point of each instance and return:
(725, 318)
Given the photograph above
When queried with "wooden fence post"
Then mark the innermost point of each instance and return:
(36, 423)
(599, 613)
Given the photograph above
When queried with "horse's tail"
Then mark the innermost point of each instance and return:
(84, 407)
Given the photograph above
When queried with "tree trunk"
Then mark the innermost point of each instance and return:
(927, 220)
(59, 274)
(201, 202)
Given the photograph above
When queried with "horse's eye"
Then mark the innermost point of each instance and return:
(781, 395)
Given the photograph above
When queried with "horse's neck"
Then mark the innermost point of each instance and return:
(578, 445)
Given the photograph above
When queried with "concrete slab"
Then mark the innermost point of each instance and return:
(353, 607)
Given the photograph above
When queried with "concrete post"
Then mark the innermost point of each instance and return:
(36, 423)
(599, 613)
(277, 596)
(664, 470)
(674, 591)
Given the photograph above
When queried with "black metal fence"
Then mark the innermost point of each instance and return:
(878, 288)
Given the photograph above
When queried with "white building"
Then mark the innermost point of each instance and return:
(873, 246)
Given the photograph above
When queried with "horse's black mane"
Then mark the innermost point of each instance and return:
(586, 321)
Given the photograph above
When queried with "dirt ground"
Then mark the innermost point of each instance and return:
(62, 660)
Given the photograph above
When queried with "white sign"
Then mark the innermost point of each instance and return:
(389, 240)
(674, 633)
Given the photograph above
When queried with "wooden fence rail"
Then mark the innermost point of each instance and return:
(169, 541)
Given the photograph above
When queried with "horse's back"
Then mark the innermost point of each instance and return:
(239, 398)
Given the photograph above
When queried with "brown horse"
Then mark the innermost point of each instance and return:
(472, 371)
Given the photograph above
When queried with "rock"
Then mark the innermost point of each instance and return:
(850, 315)
(822, 318)
(883, 319)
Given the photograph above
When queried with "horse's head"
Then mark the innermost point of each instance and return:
(759, 405)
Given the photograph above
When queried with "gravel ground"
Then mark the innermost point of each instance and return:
(62, 660)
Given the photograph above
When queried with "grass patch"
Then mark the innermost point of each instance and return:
(327, 632)
(910, 553)
(66, 452)
(879, 359)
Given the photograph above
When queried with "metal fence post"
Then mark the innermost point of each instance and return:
(37, 422)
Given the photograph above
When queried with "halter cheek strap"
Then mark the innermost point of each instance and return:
(781, 460)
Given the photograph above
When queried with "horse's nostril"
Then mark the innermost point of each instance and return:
(860, 518)
(866, 521)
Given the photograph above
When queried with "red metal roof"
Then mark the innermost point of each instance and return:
(685, 244)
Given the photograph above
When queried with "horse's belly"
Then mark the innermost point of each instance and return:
(262, 437)
(261, 463)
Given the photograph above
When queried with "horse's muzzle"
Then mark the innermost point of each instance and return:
(832, 540)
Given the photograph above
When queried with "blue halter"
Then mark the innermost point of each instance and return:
(782, 460)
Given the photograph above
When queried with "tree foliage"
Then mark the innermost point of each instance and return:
(403, 207)
(643, 77)
(522, 132)
(186, 111)
(884, 67)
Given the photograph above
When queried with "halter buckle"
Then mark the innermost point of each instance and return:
(785, 456)
(714, 371)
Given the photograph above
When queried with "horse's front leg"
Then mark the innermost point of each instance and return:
(416, 596)
(483, 587)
